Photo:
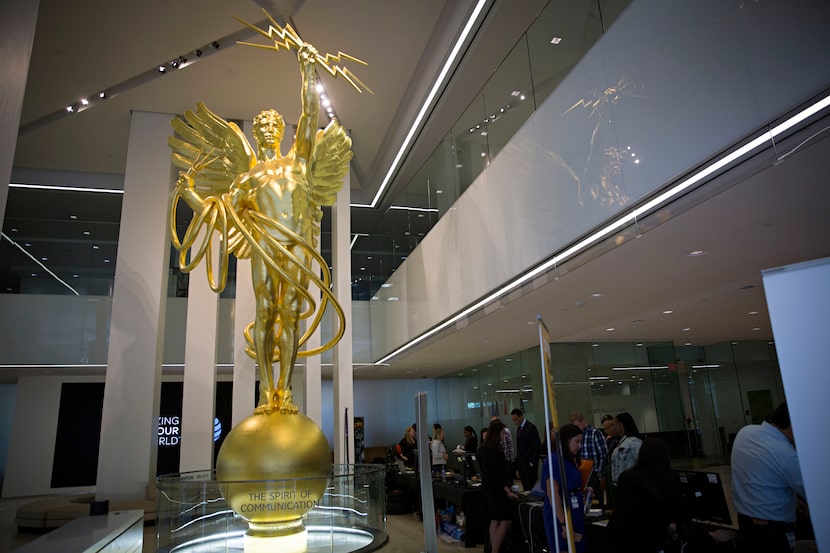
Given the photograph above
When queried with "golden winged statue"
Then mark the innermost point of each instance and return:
(266, 207)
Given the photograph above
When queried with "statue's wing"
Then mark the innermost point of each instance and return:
(213, 150)
(329, 163)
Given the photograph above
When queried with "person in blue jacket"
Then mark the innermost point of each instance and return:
(571, 437)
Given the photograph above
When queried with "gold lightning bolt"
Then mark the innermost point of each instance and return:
(287, 38)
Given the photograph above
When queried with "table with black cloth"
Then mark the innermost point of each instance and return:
(468, 499)
(529, 520)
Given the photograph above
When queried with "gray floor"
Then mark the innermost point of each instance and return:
(406, 533)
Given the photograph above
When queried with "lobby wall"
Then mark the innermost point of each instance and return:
(666, 87)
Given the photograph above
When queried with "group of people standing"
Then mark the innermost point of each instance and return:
(407, 447)
(635, 475)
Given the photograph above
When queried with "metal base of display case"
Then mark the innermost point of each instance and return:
(320, 540)
(350, 517)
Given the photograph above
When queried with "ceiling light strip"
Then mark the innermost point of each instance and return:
(66, 188)
(48, 366)
(405, 208)
(42, 266)
(593, 239)
(439, 82)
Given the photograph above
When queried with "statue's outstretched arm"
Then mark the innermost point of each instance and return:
(185, 189)
(307, 126)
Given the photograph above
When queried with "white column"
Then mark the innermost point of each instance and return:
(244, 367)
(17, 33)
(312, 375)
(245, 371)
(127, 456)
(342, 372)
(199, 396)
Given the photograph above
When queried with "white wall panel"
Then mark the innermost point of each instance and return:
(668, 86)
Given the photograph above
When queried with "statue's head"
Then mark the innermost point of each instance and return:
(268, 128)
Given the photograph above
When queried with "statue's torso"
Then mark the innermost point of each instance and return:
(277, 189)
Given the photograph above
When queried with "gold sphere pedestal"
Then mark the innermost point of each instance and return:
(274, 468)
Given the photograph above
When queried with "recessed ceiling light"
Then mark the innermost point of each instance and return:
(610, 329)
(594, 345)
(688, 343)
(556, 40)
(668, 312)
(757, 328)
(596, 295)
(696, 253)
(753, 312)
(515, 93)
(687, 329)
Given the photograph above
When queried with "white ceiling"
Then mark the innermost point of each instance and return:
(774, 217)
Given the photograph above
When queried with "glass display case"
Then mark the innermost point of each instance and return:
(194, 517)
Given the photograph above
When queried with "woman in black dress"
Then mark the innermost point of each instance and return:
(496, 482)
(470, 440)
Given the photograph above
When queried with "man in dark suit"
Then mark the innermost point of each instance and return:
(528, 447)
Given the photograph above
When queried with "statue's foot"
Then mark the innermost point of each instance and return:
(271, 404)
(285, 402)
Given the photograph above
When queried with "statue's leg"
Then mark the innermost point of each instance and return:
(289, 308)
(263, 334)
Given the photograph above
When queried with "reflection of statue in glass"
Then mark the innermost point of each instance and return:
(267, 207)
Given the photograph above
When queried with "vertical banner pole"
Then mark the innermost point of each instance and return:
(425, 475)
(551, 416)
(346, 435)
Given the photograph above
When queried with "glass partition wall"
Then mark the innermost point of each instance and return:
(694, 399)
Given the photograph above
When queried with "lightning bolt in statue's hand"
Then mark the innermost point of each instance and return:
(287, 38)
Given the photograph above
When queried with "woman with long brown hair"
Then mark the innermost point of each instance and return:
(496, 482)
